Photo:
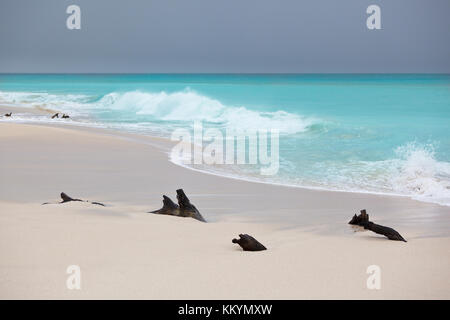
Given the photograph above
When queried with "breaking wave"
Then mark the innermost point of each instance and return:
(181, 106)
(419, 173)
(190, 106)
(413, 171)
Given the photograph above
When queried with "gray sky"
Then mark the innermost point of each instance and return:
(242, 36)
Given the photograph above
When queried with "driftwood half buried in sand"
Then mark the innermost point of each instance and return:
(363, 221)
(390, 233)
(184, 208)
(65, 198)
(248, 243)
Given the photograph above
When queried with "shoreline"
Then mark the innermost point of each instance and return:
(125, 252)
(165, 143)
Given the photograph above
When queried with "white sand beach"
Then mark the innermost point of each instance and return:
(125, 252)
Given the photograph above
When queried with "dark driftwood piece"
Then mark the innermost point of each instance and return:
(360, 219)
(248, 243)
(65, 198)
(390, 233)
(56, 115)
(169, 207)
(184, 208)
(363, 221)
(65, 116)
(8, 114)
(97, 203)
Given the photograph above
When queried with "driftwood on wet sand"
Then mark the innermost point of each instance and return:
(363, 221)
(65, 198)
(184, 208)
(8, 114)
(248, 243)
(63, 116)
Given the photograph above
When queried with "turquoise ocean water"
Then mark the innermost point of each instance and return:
(365, 133)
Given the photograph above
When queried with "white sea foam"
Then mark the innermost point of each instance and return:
(60, 102)
(421, 175)
(182, 106)
(191, 106)
(414, 171)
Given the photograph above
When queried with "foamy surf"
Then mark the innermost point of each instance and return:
(419, 173)
(45, 101)
(418, 176)
(181, 107)
(332, 136)
(189, 106)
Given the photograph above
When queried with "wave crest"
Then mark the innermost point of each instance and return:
(190, 106)
(420, 174)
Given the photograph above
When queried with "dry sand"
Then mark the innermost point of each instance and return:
(124, 252)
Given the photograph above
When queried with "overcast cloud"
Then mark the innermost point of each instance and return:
(225, 36)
